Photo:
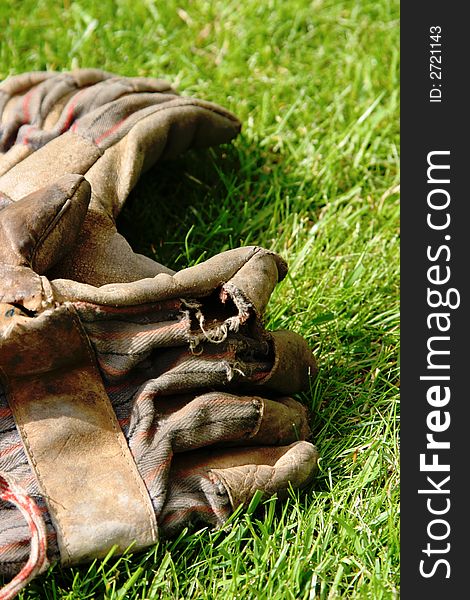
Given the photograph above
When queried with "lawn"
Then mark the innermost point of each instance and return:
(314, 176)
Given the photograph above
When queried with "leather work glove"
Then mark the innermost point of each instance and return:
(134, 401)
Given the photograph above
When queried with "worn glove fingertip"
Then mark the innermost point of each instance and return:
(295, 366)
(271, 470)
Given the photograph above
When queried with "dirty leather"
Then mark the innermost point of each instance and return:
(133, 400)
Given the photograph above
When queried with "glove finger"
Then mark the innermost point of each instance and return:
(14, 108)
(184, 423)
(137, 131)
(40, 228)
(159, 430)
(30, 97)
(294, 366)
(165, 351)
(237, 283)
(16, 85)
(40, 92)
(30, 106)
(129, 134)
(223, 366)
(36, 107)
(160, 426)
(207, 485)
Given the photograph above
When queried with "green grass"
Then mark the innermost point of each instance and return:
(314, 176)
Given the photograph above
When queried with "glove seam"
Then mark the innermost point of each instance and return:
(179, 101)
(47, 230)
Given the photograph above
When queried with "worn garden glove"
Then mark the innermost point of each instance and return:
(110, 129)
(134, 400)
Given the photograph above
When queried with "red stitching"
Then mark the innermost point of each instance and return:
(25, 106)
(71, 110)
(110, 131)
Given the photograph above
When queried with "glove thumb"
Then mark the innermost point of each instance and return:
(42, 227)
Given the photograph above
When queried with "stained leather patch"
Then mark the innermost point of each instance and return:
(86, 473)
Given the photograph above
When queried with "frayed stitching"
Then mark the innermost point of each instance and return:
(218, 334)
(232, 369)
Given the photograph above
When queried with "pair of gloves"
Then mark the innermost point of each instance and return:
(134, 400)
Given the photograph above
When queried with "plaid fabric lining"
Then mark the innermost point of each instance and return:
(160, 377)
(104, 94)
